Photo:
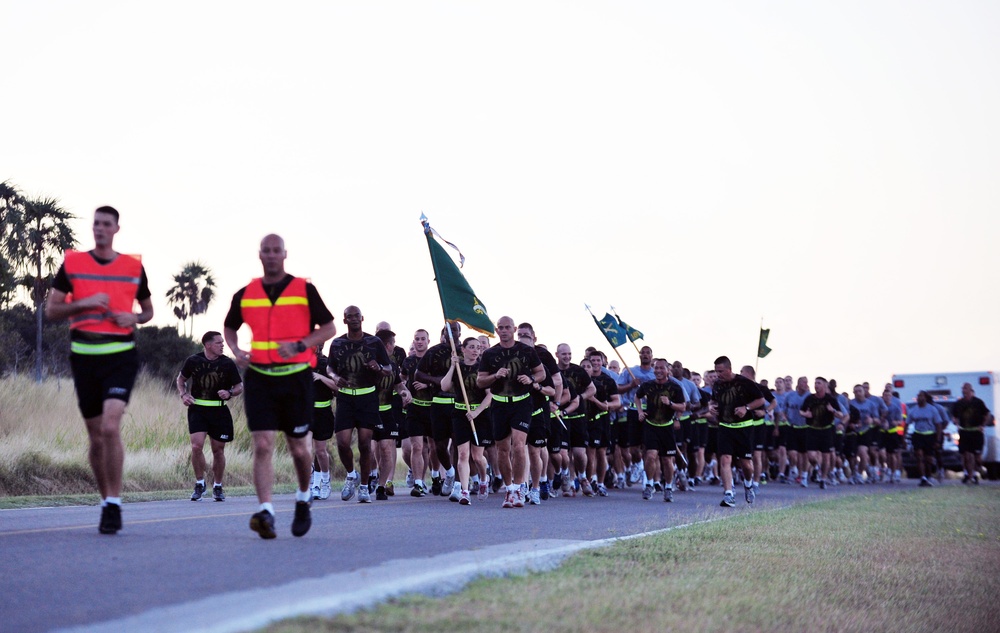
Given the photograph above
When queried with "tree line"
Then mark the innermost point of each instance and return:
(34, 235)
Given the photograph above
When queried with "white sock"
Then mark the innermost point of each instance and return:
(303, 495)
(200, 481)
(418, 482)
(450, 472)
(324, 477)
(216, 485)
(435, 473)
(267, 507)
(113, 501)
(352, 475)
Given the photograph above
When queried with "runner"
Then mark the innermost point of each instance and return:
(97, 291)
(925, 421)
(628, 383)
(465, 417)
(867, 429)
(322, 425)
(893, 427)
(574, 475)
(214, 379)
(658, 402)
(430, 370)
(540, 431)
(762, 431)
(392, 397)
(734, 398)
(797, 432)
(418, 417)
(604, 401)
(358, 361)
(822, 412)
(288, 319)
(970, 415)
(508, 369)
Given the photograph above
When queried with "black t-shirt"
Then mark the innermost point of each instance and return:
(409, 369)
(574, 376)
(318, 313)
(321, 393)
(658, 413)
(758, 414)
(469, 375)
(970, 413)
(62, 283)
(208, 377)
(387, 385)
(606, 387)
(821, 416)
(519, 359)
(349, 359)
(730, 394)
(435, 363)
(398, 355)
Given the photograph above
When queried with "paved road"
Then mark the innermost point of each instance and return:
(59, 572)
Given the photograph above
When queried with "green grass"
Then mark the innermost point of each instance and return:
(924, 560)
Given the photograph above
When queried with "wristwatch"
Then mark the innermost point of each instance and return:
(300, 347)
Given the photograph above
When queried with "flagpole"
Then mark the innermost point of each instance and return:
(624, 364)
(447, 326)
(758, 347)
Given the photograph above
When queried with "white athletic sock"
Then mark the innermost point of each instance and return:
(267, 507)
(303, 495)
(543, 479)
(418, 482)
(324, 477)
(352, 475)
(669, 487)
(513, 488)
(200, 481)
(747, 483)
(216, 484)
(450, 472)
(728, 492)
(113, 501)
(435, 473)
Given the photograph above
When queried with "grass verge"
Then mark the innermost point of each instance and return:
(924, 560)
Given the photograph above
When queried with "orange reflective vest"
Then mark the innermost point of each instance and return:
(284, 321)
(119, 279)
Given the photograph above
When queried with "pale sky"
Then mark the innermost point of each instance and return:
(831, 167)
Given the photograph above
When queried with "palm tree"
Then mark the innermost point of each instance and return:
(192, 292)
(47, 235)
(11, 227)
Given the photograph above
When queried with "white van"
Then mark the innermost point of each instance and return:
(945, 388)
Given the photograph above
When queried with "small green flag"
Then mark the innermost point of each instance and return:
(612, 331)
(633, 334)
(762, 348)
(458, 301)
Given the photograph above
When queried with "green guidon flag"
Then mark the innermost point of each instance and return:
(615, 334)
(458, 300)
(762, 348)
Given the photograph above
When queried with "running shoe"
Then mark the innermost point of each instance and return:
(535, 497)
(484, 491)
(822, 484)
(714, 481)
(966, 479)
(925, 482)
(218, 494)
(303, 518)
(111, 519)
(418, 490)
(668, 495)
(585, 487)
(324, 491)
(975, 480)
(657, 486)
(455, 494)
(390, 489)
(497, 484)
(436, 484)
(448, 486)
(350, 487)
(409, 478)
(609, 479)
(782, 479)
(199, 492)
(372, 482)
(620, 482)
(314, 489)
(463, 498)
(543, 490)
(567, 487)
(363, 495)
(380, 494)
(508, 500)
(728, 501)
(263, 524)
(519, 498)
(557, 481)
(636, 474)
(749, 494)
(647, 493)
(602, 490)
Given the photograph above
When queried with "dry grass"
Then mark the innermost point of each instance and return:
(43, 442)
(917, 561)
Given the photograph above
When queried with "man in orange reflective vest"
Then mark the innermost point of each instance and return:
(288, 320)
(97, 291)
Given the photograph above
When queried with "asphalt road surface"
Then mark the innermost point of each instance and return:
(184, 566)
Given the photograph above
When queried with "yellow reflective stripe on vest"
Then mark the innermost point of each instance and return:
(100, 349)
(283, 370)
(209, 403)
(360, 391)
(323, 404)
(266, 303)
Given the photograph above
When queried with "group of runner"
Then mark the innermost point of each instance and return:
(509, 417)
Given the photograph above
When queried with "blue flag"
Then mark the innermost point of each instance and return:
(615, 334)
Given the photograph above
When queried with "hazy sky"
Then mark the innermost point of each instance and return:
(831, 167)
